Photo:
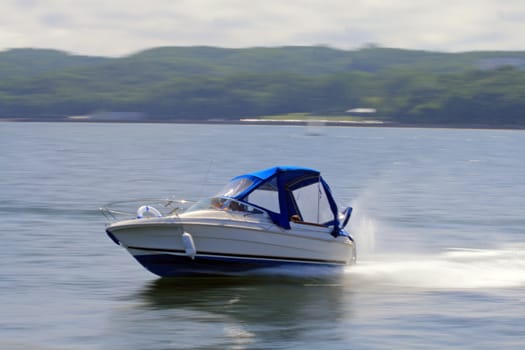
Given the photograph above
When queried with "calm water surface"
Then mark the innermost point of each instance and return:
(439, 221)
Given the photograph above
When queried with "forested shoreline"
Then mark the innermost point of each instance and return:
(203, 83)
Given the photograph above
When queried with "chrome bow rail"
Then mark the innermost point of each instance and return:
(121, 210)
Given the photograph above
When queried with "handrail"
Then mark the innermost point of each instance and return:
(127, 209)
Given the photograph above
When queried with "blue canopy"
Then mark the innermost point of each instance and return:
(285, 192)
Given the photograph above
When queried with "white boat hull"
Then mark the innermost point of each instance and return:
(219, 243)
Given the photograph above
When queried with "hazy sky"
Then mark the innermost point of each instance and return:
(121, 27)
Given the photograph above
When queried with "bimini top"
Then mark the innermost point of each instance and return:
(285, 192)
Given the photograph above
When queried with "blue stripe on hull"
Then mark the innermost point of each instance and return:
(169, 265)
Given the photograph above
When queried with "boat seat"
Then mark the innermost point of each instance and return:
(296, 219)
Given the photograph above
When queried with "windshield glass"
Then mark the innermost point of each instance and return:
(235, 187)
(225, 204)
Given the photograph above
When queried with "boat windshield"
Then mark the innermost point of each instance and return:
(226, 204)
(235, 187)
(226, 199)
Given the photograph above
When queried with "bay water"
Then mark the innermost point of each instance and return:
(438, 219)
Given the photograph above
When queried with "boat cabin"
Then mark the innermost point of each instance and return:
(287, 194)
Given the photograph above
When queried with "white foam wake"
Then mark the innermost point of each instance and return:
(453, 269)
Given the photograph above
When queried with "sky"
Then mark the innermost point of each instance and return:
(123, 27)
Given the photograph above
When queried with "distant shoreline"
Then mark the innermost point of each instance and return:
(361, 124)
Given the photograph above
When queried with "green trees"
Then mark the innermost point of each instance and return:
(198, 83)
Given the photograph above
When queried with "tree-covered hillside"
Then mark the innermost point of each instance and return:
(196, 83)
(25, 63)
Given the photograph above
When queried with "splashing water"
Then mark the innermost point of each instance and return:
(453, 269)
(363, 229)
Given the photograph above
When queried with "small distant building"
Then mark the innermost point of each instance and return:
(361, 110)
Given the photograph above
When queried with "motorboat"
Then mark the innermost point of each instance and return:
(279, 217)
